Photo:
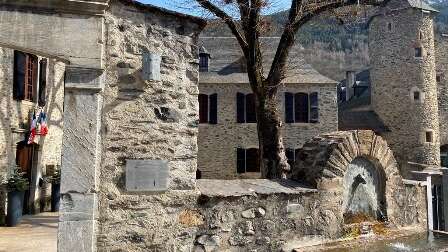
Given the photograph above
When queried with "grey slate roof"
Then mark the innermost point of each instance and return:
(421, 4)
(227, 63)
(357, 113)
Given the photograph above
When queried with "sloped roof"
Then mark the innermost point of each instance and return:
(421, 4)
(227, 63)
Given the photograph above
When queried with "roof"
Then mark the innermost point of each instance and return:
(151, 8)
(357, 113)
(227, 64)
(421, 4)
(361, 120)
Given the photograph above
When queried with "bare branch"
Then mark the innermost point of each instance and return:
(206, 4)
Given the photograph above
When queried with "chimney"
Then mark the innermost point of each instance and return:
(349, 89)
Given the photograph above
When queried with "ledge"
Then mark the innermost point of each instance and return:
(250, 187)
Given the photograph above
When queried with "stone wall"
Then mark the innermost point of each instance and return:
(441, 45)
(143, 119)
(396, 74)
(14, 123)
(218, 143)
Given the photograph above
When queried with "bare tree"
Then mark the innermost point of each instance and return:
(247, 27)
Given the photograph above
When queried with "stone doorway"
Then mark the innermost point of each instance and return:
(26, 160)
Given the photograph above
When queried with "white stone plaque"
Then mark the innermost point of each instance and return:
(146, 175)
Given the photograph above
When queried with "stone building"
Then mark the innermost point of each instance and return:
(406, 74)
(30, 85)
(228, 141)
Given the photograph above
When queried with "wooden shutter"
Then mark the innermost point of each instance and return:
(240, 160)
(314, 107)
(213, 109)
(252, 164)
(289, 107)
(19, 75)
(301, 106)
(203, 108)
(240, 103)
(251, 114)
(42, 82)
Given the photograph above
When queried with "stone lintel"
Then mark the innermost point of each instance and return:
(78, 77)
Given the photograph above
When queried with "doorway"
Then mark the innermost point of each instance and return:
(26, 159)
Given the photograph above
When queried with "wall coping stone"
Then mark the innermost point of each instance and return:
(250, 187)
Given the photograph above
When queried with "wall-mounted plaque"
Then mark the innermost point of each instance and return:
(146, 175)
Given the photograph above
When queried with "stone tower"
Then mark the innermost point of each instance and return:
(403, 76)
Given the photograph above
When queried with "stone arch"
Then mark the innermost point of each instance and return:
(323, 163)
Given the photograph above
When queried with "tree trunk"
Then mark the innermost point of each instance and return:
(273, 162)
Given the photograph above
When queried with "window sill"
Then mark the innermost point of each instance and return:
(303, 124)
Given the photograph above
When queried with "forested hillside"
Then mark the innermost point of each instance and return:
(330, 47)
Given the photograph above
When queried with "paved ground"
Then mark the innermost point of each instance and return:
(36, 233)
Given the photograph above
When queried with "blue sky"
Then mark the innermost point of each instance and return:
(176, 5)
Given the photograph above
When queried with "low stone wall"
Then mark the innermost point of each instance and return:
(233, 215)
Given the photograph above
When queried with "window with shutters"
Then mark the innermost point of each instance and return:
(246, 108)
(25, 76)
(301, 107)
(247, 160)
(291, 155)
(208, 108)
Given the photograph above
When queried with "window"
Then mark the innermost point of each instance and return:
(429, 137)
(208, 108)
(444, 155)
(418, 52)
(25, 76)
(438, 78)
(416, 96)
(389, 26)
(245, 108)
(203, 62)
(247, 160)
(291, 155)
(301, 107)
(420, 35)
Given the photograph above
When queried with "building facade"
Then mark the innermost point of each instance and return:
(31, 86)
(228, 140)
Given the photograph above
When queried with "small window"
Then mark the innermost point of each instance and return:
(203, 62)
(42, 82)
(248, 160)
(416, 96)
(418, 52)
(291, 155)
(301, 108)
(246, 108)
(429, 137)
(420, 35)
(389, 26)
(444, 155)
(438, 78)
(208, 108)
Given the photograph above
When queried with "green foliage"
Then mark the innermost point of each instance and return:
(17, 181)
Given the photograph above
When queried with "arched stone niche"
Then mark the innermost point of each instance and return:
(338, 163)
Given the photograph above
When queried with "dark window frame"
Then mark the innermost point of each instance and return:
(248, 160)
(246, 110)
(204, 62)
(25, 76)
(302, 107)
(208, 108)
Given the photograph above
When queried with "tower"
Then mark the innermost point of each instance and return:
(403, 79)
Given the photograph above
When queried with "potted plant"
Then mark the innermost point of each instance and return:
(55, 190)
(16, 185)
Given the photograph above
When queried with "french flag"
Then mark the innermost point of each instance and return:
(43, 124)
(33, 130)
